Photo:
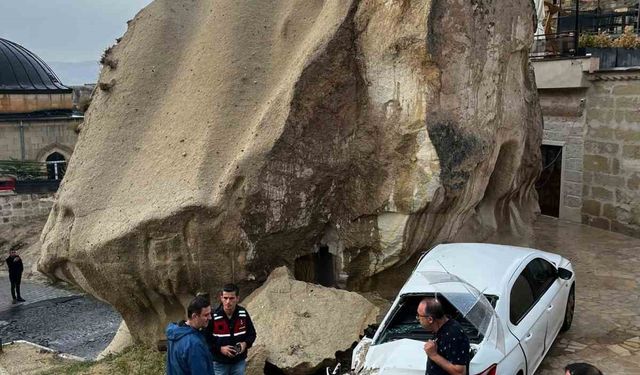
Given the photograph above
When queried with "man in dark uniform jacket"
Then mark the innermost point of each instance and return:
(448, 353)
(230, 334)
(14, 263)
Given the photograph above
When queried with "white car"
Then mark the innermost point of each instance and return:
(530, 296)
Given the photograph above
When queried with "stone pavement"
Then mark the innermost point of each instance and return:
(65, 320)
(31, 292)
(606, 326)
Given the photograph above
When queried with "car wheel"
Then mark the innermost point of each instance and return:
(568, 312)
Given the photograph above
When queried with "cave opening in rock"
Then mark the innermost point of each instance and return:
(550, 181)
(317, 267)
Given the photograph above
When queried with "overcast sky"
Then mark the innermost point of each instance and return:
(66, 30)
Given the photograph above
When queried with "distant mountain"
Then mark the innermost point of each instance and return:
(76, 73)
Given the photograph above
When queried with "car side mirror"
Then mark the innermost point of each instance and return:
(564, 273)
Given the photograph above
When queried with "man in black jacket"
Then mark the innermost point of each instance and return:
(14, 263)
(230, 334)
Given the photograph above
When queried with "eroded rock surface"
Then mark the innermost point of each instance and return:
(120, 342)
(228, 138)
(302, 325)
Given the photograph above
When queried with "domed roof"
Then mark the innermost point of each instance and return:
(21, 71)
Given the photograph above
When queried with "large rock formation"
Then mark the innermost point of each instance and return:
(302, 325)
(231, 137)
(119, 343)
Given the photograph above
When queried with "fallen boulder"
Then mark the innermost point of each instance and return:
(227, 138)
(303, 325)
(256, 360)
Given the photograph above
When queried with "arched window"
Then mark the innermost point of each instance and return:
(56, 166)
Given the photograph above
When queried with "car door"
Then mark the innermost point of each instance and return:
(545, 281)
(528, 318)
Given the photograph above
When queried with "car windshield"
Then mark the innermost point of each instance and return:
(403, 324)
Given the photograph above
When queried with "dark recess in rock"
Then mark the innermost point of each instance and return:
(454, 147)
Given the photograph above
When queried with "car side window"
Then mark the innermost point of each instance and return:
(521, 298)
(541, 275)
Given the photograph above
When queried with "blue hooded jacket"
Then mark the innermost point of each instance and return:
(187, 351)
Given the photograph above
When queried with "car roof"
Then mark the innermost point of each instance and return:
(488, 267)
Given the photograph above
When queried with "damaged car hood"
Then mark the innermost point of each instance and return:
(399, 357)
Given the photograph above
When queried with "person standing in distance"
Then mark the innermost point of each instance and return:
(187, 351)
(14, 263)
(230, 334)
(448, 353)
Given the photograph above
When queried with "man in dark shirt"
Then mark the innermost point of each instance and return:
(230, 333)
(14, 263)
(448, 353)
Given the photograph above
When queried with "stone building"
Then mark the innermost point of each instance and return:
(591, 143)
(590, 99)
(37, 120)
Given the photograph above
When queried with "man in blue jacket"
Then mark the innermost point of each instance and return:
(187, 350)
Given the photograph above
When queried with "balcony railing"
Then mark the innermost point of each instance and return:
(569, 23)
(555, 45)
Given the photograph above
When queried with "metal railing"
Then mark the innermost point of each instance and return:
(33, 170)
(31, 176)
(569, 23)
(555, 45)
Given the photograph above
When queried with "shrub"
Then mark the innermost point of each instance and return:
(603, 40)
(628, 39)
(108, 60)
(106, 54)
(23, 170)
(586, 40)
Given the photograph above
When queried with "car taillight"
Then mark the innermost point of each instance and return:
(492, 370)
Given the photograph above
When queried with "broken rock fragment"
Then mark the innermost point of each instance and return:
(303, 325)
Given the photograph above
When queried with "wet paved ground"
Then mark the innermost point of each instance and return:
(31, 292)
(63, 320)
(605, 332)
(606, 326)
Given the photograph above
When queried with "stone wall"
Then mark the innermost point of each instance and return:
(40, 138)
(25, 103)
(612, 154)
(24, 207)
